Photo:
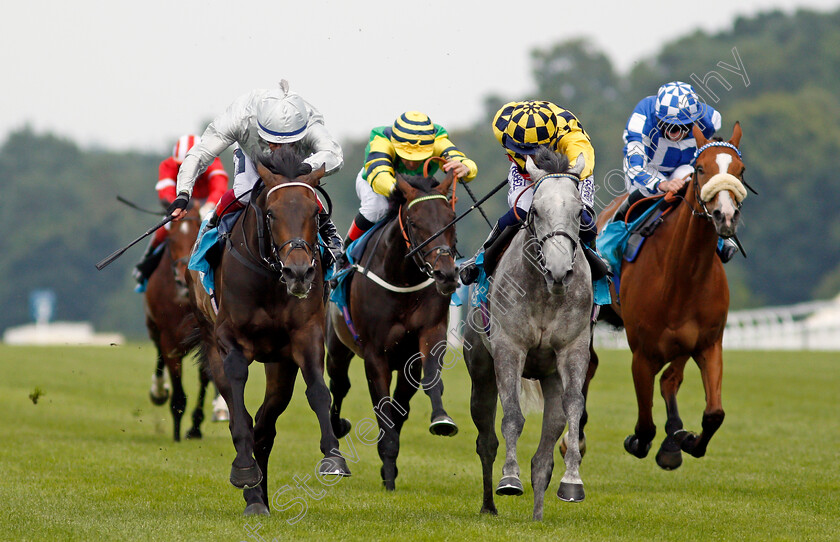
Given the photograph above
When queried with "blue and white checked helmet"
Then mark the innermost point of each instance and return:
(677, 103)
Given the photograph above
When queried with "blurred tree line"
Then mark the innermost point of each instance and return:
(776, 73)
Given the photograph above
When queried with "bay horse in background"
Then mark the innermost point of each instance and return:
(170, 323)
(535, 325)
(399, 308)
(269, 295)
(674, 300)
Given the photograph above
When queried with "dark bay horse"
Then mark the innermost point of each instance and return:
(269, 290)
(170, 322)
(674, 300)
(536, 325)
(400, 311)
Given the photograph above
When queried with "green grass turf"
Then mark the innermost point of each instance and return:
(95, 460)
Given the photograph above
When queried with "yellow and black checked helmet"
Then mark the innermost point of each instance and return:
(521, 127)
(413, 136)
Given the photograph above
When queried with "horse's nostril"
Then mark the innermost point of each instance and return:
(309, 276)
(717, 214)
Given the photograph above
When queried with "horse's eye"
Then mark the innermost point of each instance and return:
(699, 170)
(269, 215)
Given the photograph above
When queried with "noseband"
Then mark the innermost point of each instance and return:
(420, 257)
(529, 220)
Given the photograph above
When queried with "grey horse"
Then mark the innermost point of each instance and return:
(537, 326)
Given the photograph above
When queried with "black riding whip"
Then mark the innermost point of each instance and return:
(101, 265)
(137, 207)
(480, 210)
(457, 218)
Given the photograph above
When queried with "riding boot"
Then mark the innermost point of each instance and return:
(468, 271)
(597, 266)
(726, 249)
(147, 264)
(331, 239)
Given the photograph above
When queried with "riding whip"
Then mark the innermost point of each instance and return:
(480, 210)
(101, 265)
(136, 207)
(457, 218)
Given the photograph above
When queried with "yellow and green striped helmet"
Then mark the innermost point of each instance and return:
(521, 127)
(413, 136)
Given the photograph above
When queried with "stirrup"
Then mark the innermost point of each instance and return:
(468, 272)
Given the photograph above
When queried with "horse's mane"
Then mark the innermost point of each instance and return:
(396, 199)
(285, 161)
(550, 161)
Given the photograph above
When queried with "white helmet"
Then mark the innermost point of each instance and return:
(282, 117)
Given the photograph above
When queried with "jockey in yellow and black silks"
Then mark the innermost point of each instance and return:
(402, 148)
(522, 127)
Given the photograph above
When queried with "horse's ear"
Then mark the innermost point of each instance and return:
(698, 135)
(580, 165)
(446, 184)
(407, 190)
(269, 178)
(314, 179)
(736, 134)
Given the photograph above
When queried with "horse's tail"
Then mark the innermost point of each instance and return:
(192, 342)
(530, 396)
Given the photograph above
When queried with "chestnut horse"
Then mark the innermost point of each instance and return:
(400, 319)
(674, 300)
(170, 322)
(269, 295)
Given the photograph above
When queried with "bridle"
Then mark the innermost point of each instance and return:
(529, 219)
(407, 229)
(272, 256)
(703, 212)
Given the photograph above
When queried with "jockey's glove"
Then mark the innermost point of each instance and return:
(180, 203)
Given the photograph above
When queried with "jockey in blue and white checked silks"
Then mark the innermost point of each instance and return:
(658, 138)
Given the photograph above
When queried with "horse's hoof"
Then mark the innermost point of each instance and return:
(510, 485)
(159, 392)
(247, 478)
(570, 492)
(256, 509)
(194, 433)
(333, 466)
(389, 485)
(159, 400)
(564, 446)
(669, 456)
(687, 441)
(631, 444)
(669, 460)
(343, 428)
(443, 426)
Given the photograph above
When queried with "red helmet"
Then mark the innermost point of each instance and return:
(182, 147)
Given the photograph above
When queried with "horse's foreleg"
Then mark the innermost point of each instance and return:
(389, 414)
(509, 362)
(710, 362)
(433, 348)
(279, 386)
(572, 366)
(584, 417)
(638, 444)
(669, 456)
(338, 366)
(308, 353)
(244, 471)
(483, 400)
(554, 420)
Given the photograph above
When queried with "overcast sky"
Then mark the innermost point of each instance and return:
(135, 75)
